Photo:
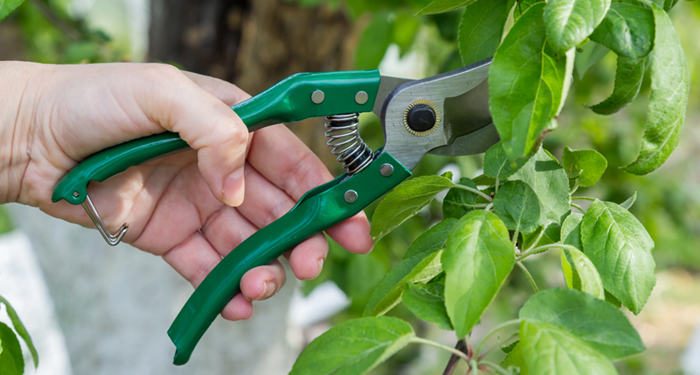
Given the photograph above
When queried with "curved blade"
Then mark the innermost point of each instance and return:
(460, 98)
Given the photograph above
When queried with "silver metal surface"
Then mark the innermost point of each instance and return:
(318, 97)
(461, 96)
(344, 137)
(361, 97)
(350, 196)
(112, 239)
(386, 170)
(386, 86)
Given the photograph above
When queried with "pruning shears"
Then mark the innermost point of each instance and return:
(446, 114)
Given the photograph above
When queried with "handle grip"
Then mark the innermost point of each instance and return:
(316, 211)
(287, 101)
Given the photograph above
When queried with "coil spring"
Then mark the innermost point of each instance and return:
(344, 139)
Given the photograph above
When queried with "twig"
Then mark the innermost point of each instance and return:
(584, 199)
(434, 344)
(454, 359)
(475, 191)
(529, 277)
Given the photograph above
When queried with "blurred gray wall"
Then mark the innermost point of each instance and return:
(114, 306)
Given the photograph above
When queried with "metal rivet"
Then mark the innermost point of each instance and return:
(318, 97)
(76, 194)
(361, 97)
(350, 196)
(386, 170)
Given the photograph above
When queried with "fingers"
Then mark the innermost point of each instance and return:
(205, 122)
(286, 162)
(224, 91)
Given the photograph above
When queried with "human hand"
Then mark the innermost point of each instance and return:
(187, 208)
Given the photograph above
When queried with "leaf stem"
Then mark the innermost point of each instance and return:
(584, 199)
(494, 346)
(488, 207)
(419, 340)
(576, 206)
(515, 236)
(499, 370)
(493, 331)
(496, 188)
(573, 189)
(542, 249)
(475, 366)
(529, 277)
(475, 191)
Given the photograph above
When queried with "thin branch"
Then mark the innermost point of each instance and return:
(454, 358)
(529, 277)
(542, 249)
(584, 199)
(434, 344)
(576, 206)
(475, 191)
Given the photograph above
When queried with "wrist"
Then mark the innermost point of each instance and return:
(14, 129)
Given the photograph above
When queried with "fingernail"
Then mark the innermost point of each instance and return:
(269, 289)
(233, 188)
(320, 268)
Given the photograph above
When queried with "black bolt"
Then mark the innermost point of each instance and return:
(421, 118)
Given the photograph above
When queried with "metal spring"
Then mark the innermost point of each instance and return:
(345, 142)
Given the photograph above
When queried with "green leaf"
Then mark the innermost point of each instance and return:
(458, 201)
(7, 6)
(11, 360)
(522, 6)
(444, 6)
(629, 202)
(592, 320)
(518, 206)
(669, 4)
(373, 43)
(354, 347)
(427, 302)
(405, 28)
(592, 54)
(431, 240)
(21, 330)
(570, 22)
(477, 259)
(628, 82)
(628, 28)
(619, 246)
(481, 29)
(550, 350)
(405, 201)
(670, 85)
(587, 166)
(548, 179)
(552, 233)
(484, 180)
(571, 230)
(526, 84)
(419, 269)
(516, 358)
(497, 164)
(581, 274)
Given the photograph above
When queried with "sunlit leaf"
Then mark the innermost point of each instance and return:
(481, 29)
(670, 85)
(526, 84)
(405, 201)
(516, 358)
(7, 6)
(619, 246)
(431, 240)
(586, 166)
(551, 350)
(11, 360)
(581, 274)
(354, 347)
(497, 164)
(477, 259)
(628, 28)
(570, 22)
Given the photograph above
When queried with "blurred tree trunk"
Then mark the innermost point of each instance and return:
(254, 44)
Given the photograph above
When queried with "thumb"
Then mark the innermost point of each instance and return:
(207, 125)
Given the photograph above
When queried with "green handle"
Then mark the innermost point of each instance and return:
(287, 101)
(316, 211)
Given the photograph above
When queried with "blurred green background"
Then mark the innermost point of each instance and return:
(384, 34)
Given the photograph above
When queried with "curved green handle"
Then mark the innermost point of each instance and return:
(316, 211)
(287, 101)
